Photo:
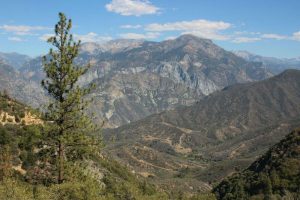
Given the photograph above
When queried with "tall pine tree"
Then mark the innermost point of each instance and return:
(69, 123)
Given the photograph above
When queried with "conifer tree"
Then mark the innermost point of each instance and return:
(69, 123)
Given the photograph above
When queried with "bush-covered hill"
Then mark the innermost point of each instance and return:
(27, 170)
(276, 175)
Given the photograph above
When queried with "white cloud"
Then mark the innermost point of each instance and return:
(128, 26)
(296, 36)
(273, 36)
(22, 30)
(200, 24)
(138, 36)
(90, 37)
(246, 39)
(16, 39)
(132, 7)
(200, 27)
(246, 33)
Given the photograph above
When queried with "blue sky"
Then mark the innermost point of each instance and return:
(265, 27)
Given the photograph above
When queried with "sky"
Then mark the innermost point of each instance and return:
(264, 27)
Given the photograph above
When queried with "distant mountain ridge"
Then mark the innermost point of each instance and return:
(276, 65)
(19, 87)
(14, 59)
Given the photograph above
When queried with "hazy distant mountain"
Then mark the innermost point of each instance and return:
(276, 65)
(14, 59)
(275, 175)
(136, 78)
(19, 87)
(221, 133)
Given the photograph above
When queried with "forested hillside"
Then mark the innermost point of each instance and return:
(276, 175)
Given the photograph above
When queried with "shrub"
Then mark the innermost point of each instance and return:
(22, 114)
(4, 118)
(17, 119)
(5, 138)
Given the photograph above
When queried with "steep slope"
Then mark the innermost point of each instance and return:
(206, 140)
(137, 78)
(275, 175)
(275, 65)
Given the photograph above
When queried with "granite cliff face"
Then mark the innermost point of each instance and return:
(136, 78)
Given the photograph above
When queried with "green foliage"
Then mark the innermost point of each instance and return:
(82, 185)
(22, 114)
(12, 189)
(5, 137)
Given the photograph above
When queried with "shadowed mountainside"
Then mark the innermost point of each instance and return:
(206, 140)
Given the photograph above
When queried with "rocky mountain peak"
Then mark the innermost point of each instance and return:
(191, 37)
(192, 44)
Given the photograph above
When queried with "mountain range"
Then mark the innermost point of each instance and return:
(136, 78)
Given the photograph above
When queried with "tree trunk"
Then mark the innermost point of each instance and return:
(61, 163)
